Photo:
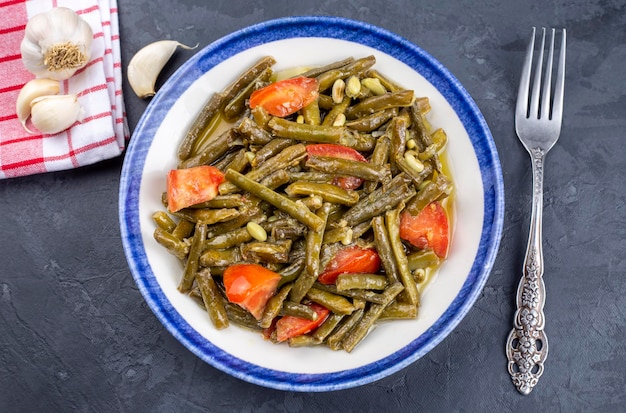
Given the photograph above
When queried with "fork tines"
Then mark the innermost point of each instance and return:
(541, 104)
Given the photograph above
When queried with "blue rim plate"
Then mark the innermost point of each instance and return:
(478, 204)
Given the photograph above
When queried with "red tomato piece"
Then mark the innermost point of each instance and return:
(339, 151)
(286, 96)
(250, 286)
(352, 259)
(186, 187)
(427, 230)
(290, 326)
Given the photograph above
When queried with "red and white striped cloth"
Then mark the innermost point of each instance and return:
(103, 131)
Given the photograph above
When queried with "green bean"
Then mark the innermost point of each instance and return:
(327, 78)
(284, 128)
(237, 105)
(295, 309)
(366, 295)
(201, 126)
(327, 327)
(313, 202)
(163, 221)
(281, 202)
(239, 162)
(423, 138)
(373, 104)
(191, 266)
(311, 113)
(240, 316)
(207, 216)
(329, 192)
(359, 141)
(335, 110)
(222, 201)
(348, 167)
(288, 230)
(383, 246)
(183, 229)
(276, 179)
(247, 77)
(378, 202)
(398, 311)
(312, 267)
(291, 272)
(387, 83)
(360, 229)
(229, 239)
(303, 340)
(173, 245)
(439, 138)
(380, 156)
(269, 252)
(314, 245)
(371, 122)
(214, 149)
(261, 116)
(351, 281)
(219, 258)
(212, 299)
(423, 259)
(246, 214)
(334, 340)
(335, 303)
(253, 133)
(272, 148)
(430, 192)
(398, 132)
(289, 156)
(313, 176)
(392, 221)
(316, 71)
(341, 234)
(326, 102)
(273, 306)
(372, 314)
(226, 159)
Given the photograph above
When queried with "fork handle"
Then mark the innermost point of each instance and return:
(527, 344)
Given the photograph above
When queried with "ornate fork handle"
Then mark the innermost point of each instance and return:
(527, 344)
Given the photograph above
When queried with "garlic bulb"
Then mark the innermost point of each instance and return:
(32, 90)
(147, 63)
(56, 44)
(53, 114)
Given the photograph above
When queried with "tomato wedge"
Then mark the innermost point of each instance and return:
(352, 259)
(290, 326)
(250, 286)
(427, 230)
(286, 96)
(339, 151)
(186, 187)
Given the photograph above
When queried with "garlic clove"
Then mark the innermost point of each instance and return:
(56, 44)
(147, 63)
(54, 114)
(29, 92)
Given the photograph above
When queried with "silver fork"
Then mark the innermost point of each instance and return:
(538, 125)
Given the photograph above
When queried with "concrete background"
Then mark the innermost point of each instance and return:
(76, 335)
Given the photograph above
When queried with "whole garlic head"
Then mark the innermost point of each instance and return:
(56, 44)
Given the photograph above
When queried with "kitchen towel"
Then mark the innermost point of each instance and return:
(103, 131)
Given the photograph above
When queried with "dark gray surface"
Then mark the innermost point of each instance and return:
(76, 335)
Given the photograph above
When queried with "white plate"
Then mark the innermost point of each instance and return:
(478, 207)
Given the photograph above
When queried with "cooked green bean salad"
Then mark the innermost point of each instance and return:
(309, 206)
